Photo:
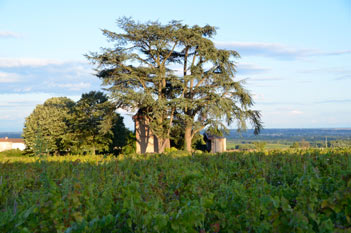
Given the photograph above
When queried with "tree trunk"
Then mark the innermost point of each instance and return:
(163, 144)
(93, 150)
(188, 138)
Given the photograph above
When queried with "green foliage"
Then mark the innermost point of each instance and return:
(198, 142)
(130, 146)
(295, 145)
(140, 72)
(120, 135)
(61, 126)
(136, 70)
(12, 153)
(177, 135)
(95, 127)
(339, 144)
(177, 138)
(245, 147)
(172, 149)
(86, 123)
(302, 144)
(260, 145)
(277, 191)
(46, 127)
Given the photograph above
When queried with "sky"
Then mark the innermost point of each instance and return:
(295, 55)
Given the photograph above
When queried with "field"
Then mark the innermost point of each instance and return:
(272, 191)
(249, 144)
(285, 138)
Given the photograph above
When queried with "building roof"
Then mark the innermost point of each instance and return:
(13, 140)
(212, 137)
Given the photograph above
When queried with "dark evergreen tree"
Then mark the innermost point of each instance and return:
(96, 127)
(210, 95)
(140, 71)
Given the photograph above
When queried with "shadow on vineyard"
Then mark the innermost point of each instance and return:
(276, 191)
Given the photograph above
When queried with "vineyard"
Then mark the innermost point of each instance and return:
(275, 191)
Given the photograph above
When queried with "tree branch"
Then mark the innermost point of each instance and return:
(169, 54)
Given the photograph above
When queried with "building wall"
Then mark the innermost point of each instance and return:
(5, 146)
(146, 142)
(218, 145)
(19, 146)
(9, 144)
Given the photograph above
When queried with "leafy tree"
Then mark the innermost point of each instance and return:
(177, 138)
(209, 94)
(130, 146)
(48, 123)
(140, 73)
(95, 125)
(137, 74)
(119, 134)
(61, 126)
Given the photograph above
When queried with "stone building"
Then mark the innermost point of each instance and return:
(215, 143)
(11, 143)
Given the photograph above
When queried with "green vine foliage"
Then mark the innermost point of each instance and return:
(276, 191)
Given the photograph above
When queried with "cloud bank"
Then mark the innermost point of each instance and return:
(7, 34)
(27, 62)
(24, 75)
(276, 50)
(248, 68)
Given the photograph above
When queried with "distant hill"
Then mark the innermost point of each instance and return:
(293, 134)
(268, 134)
(10, 134)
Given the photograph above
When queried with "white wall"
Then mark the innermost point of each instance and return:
(19, 146)
(9, 145)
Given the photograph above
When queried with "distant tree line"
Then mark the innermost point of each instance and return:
(90, 125)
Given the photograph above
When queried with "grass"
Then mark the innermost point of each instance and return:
(231, 144)
(11, 153)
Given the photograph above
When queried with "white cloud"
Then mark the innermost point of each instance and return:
(21, 105)
(344, 77)
(276, 50)
(264, 79)
(333, 101)
(258, 97)
(244, 68)
(45, 75)
(7, 34)
(5, 117)
(295, 112)
(71, 86)
(337, 73)
(22, 62)
(8, 77)
(323, 70)
(24, 89)
(27, 98)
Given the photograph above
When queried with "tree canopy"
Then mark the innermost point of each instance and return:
(45, 129)
(95, 125)
(61, 126)
(141, 71)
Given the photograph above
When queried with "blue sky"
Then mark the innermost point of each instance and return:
(295, 55)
